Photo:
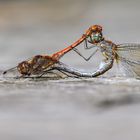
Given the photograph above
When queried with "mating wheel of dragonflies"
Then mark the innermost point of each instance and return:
(42, 64)
(128, 54)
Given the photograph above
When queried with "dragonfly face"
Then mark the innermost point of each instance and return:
(96, 37)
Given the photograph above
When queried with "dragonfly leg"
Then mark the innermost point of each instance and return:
(65, 73)
(51, 71)
(104, 66)
(86, 44)
(86, 47)
(86, 59)
(21, 76)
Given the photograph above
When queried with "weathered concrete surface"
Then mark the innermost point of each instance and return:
(99, 108)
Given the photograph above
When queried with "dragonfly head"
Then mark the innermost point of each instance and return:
(96, 34)
(96, 28)
(24, 68)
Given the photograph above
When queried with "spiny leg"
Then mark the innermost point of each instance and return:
(86, 59)
(18, 77)
(30, 76)
(49, 71)
(86, 43)
(67, 74)
(86, 47)
(39, 76)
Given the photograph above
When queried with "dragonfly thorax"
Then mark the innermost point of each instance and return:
(107, 48)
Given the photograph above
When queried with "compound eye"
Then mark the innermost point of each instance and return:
(97, 37)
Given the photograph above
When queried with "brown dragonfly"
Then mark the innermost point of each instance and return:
(41, 64)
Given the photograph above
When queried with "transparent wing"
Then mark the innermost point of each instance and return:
(48, 73)
(129, 55)
(13, 71)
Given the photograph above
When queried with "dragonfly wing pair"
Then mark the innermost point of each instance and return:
(129, 56)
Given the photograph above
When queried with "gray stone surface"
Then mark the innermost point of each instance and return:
(104, 108)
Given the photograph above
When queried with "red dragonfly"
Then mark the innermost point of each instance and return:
(40, 64)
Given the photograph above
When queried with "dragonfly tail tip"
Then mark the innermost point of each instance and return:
(4, 72)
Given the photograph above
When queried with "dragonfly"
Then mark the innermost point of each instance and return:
(41, 64)
(128, 54)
